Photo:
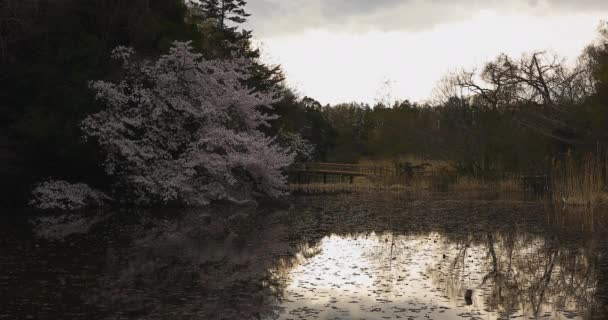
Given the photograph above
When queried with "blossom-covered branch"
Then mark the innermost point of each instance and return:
(62, 195)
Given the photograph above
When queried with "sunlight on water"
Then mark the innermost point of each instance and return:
(426, 277)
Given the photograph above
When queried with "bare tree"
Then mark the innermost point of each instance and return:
(540, 85)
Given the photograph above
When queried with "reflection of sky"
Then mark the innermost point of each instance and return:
(361, 277)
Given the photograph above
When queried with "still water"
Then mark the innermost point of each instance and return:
(315, 257)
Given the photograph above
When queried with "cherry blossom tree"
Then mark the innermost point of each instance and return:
(302, 148)
(185, 130)
(65, 196)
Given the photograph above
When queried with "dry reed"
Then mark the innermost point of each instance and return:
(469, 183)
(439, 175)
(579, 181)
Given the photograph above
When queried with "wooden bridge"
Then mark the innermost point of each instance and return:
(349, 171)
(303, 173)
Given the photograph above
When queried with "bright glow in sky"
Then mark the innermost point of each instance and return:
(336, 66)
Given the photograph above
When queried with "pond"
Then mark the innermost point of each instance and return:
(313, 257)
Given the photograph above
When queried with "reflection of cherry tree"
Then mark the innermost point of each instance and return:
(200, 265)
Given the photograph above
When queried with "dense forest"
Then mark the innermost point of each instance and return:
(511, 114)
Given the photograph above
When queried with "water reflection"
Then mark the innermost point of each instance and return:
(338, 257)
(196, 267)
(410, 260)
(388, 276)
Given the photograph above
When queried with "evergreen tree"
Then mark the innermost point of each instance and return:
(222, 11)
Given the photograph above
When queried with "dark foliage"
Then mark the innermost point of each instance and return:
(50, 50)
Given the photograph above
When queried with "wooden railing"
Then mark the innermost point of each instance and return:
(387, 171)
(342, 169)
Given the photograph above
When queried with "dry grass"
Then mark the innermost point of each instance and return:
(509, 185)
(586, 219)
(579, 182)
(336, 188)
(420, 184)
(434, 164)
(468, 183)
(440, 181)
(440, 176)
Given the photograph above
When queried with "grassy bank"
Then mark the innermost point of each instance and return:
(571, 181)
(437, 177)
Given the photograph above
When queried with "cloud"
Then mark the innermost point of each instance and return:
(336, 67)
(280, 17)
(342, 50)
(342, 8)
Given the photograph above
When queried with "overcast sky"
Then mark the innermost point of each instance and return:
(346, 50)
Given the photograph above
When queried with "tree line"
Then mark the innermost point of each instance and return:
(511, 114)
